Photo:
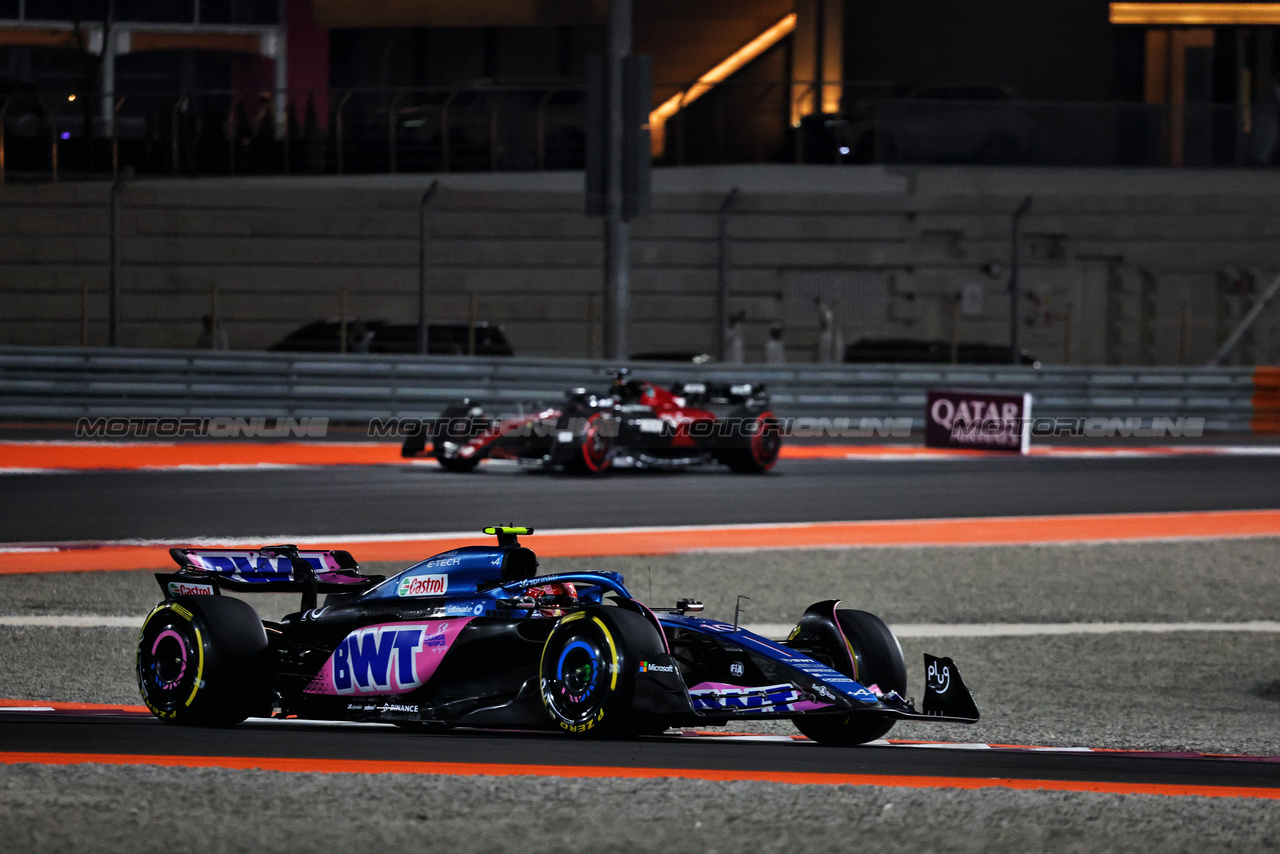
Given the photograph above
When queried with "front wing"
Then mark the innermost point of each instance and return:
(794, 684)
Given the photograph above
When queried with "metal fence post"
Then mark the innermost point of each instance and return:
(283, 133)
(115, 136)
(232, 127)
(173, 131)
(722, 275)
(542, 130)
(423, 203)
(1015, 295)
(4, 108)
(493, 136)
(391, 131)
(53, 145)
(339, 138)
(617, 229)
(113, 273)
(444, 130)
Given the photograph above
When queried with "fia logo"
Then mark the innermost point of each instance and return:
(939, 678)
(736, 668)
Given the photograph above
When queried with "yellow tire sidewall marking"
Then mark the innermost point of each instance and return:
(199, 665)
(189, 617)
(613, 652)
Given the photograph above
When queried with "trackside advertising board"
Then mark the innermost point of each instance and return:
(978, 421)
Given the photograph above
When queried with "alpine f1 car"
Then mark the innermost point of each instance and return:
(476, 637)
(635, 425)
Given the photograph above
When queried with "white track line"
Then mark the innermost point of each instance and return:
(234, 467)
(340, 539)
(74, 621)
(873, 456)
(1013, 630)
(781, 630)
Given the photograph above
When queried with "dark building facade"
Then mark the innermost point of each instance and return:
(497, 84)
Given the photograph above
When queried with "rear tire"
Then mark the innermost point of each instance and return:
(761, 451)
(203, 660)
(877, 660)
(595, 447)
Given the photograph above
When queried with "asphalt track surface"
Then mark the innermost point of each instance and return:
(90, 506)
(394, 499)
(143, 736)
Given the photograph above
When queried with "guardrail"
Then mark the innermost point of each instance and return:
(66, 383)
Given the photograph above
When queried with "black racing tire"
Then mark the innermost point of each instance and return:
(588, 670)
(594, 450)
(453, 413)
(202, 660)
(877, 660)
(455, 464)
(414, 444)
(760, 453)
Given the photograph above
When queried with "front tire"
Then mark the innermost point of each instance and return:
(203, 660)
(587, 672)
(466, 414)
(457, 465)
(873, 657)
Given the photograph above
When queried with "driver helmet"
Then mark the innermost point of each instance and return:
(552, 600)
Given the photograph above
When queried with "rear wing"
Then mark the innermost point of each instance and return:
(721, 392)
(270, 569)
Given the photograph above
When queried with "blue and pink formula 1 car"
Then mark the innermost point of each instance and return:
(476, 637)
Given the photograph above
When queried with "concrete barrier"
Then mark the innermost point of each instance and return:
(69, 383)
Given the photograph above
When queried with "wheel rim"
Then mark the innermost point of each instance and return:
(577, 671)
(167, 666)
(595, 446)
(168, 660)
(575, 691)
(766, 443)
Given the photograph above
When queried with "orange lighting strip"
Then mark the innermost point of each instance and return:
(588, 772)
(1195, 14)
(737, 59)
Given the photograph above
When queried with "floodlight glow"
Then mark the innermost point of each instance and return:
(733, 62)
(1195, 14)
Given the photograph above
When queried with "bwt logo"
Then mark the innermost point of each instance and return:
(369, 659)
(767, 699)
(423, 585)
(245, 565)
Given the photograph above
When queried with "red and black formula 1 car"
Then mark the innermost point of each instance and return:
(635, 425)
(475, 636)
